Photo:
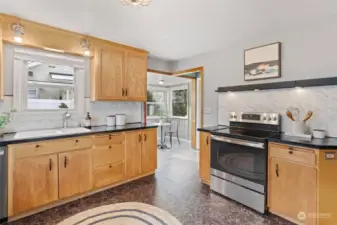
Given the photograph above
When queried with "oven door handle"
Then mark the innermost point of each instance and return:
(238, 141)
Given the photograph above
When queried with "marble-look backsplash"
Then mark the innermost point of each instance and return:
(98, 111)
(321, 100)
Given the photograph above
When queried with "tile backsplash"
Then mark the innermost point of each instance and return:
(321, 100)
(98, 111)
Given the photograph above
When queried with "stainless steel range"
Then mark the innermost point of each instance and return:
(239, 158)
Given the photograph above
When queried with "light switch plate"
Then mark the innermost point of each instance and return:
(207, 110)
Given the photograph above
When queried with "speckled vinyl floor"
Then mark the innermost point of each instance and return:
(175, 188)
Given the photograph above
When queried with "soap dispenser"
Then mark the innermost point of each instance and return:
(87, 121)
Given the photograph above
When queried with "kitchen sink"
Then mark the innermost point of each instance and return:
(51, 132)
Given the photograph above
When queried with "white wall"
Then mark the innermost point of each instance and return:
(308, 51)
(99, 110)
(158, 64)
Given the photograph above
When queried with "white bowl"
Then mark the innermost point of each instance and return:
(318, 133)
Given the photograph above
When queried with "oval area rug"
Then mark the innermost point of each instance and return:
(128, 213)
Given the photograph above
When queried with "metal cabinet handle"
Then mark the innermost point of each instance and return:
(126, 92)
(110, 147)
(76, 141)
(37, 146)
(145, 137)
(277, 171)
(65, 161)
(139, 137)
(207, 140)
(291, 150)
(50, 165)
(122, 91)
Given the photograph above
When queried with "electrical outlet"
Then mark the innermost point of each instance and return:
(207, 111)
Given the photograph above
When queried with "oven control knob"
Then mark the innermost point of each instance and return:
(269, 119)
(275, 118)
(235, 117)
(264, 118)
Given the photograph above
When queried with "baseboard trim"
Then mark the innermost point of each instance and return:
(71, 199)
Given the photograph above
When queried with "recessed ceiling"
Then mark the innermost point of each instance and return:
(172, 29)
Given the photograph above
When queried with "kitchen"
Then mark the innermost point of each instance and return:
(267, 137)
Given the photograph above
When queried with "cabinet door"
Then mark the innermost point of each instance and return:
(133, 154)
(35, 183)
(149, 151)
(205, 161)
(75, 173)
(292, 191)
(110, 74)
(136, 76)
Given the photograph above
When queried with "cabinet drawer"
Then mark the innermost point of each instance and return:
(108, 174)
(108, 154)
(293, 154)
(113, 138)
(50, 147)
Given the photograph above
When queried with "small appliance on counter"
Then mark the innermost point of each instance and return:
(239, 156)
(111, 121)
(120, 119)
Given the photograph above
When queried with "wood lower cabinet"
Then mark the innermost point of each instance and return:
(133, 154)
(292, 190)
(75, 173)
(136, 76)
(149, 151)
(33, 183)
(41, 173)
(205, 157)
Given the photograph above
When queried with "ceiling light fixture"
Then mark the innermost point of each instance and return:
(136, 3)
(18, 32)
(86, 47)
(161, 82)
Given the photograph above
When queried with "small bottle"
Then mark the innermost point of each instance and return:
(87, 122)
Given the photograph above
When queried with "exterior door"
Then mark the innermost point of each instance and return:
(111, 79)
(75, 173)
(204, 161)
(35, 183)
(136, 76)
(133, 154)
(292, 191)
(149, 151)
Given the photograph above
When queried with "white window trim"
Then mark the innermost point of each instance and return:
(175, 88)
(20, 86)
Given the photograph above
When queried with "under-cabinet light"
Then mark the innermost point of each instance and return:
(53, 50)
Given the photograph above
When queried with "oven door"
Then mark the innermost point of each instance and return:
(239, 161)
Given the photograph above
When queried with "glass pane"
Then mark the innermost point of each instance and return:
(155, 110)
(50, 86)
(155, 96)
(179, 103)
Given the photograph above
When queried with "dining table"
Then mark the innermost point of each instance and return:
(162, 144)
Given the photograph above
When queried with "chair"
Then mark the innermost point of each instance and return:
(173, 131)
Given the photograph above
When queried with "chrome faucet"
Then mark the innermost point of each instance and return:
(66, 117)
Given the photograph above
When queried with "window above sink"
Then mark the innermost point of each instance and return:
(47, 82)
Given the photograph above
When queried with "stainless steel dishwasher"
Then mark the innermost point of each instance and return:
(3, 185)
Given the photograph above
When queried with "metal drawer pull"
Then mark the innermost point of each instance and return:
(139, 137)
(65, 161)
(37, 146)
(122, 91)
(291, 150)
(110, 147)
(277, 172)
(145, 137)
(76, 141)
(50, 165)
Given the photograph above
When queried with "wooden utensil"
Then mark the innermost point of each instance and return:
(308, 116)
(290, 116)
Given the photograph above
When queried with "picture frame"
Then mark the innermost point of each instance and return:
(262, 62)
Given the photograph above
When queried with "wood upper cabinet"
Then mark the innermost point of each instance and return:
(136, 76)
(75, 173)
(118, 74)
(133, 154)
(34, 182)
(149, 151)
(205, 158)
(108, 68)
(292, 190)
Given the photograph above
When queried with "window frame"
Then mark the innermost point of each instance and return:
(165, 103)
(177, 88)
(20, 87)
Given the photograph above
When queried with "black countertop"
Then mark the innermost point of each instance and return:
(212, 128)
(326, 143)
(9, 138)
